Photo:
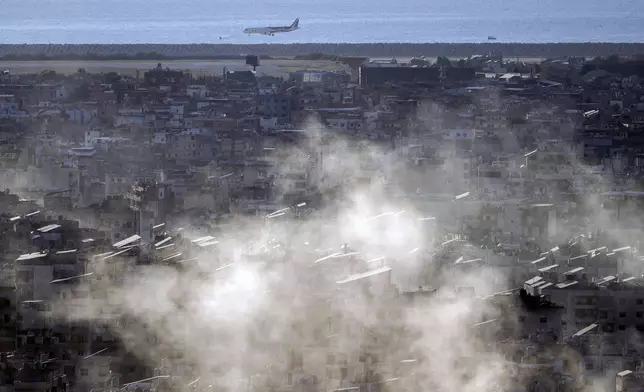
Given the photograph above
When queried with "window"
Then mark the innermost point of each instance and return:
(84, 372)
(639, 314)
(622, 328)
(297, 361)
(581, 313)
(622, 314)
(24, 275)
(521, 319)
(543, 319)
(639, 301)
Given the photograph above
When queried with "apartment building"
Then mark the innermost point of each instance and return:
(9, 320)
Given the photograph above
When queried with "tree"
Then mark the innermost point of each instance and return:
(443, 61)
(112, 78)
(47, 75)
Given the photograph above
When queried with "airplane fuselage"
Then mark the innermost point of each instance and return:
(268, 30)
(272, 30)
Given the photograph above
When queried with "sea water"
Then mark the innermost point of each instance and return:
(358, 21)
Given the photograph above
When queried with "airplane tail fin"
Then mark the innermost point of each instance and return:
(295, 24)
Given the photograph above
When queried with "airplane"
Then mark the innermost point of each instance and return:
(273, 30)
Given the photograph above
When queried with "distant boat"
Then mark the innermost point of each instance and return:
(491, 37)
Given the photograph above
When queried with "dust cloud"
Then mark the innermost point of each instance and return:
(333, 294)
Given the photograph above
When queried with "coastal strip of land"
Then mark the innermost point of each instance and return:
(227, 51)
(270, 67)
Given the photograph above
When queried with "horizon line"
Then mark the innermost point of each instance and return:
(333, 43)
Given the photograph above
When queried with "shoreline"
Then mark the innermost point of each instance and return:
(99, 52)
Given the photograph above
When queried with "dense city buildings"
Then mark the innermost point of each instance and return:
(405, 225)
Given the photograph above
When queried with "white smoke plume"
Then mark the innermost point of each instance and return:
(247, 312)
